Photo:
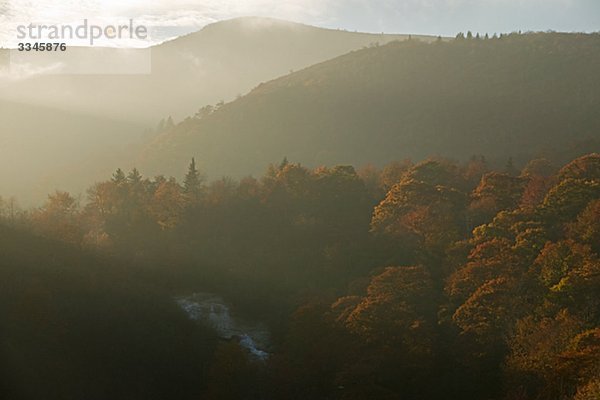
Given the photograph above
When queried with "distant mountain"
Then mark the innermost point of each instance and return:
(65, 131)
(219, 62)
(513, 96)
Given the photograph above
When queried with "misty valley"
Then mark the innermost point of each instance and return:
(319, 214)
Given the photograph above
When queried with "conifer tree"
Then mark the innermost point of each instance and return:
(283, 163)
(510, 167)
(134, 176)
(192, 184)
(118, 177)
(169, 124)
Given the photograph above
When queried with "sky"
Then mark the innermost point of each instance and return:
(171, 18)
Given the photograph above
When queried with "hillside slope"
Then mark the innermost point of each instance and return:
(515, 96)
(43, 149)
(219, 62)
(64, 131)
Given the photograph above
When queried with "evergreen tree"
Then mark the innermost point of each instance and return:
(283, 163)
(169, 124)
(160, 126)
(118, 177)
(510, 167)
(192, 184)
(134, 176)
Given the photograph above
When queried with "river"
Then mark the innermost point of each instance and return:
(214, 311)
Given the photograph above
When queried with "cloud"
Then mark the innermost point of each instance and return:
(164, 18)
(176, 14)
(168, 18)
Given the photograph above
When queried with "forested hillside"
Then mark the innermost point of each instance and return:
(64, 129)
(401, 282)
(513, 96)
(431, 231)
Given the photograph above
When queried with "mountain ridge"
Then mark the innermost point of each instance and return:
(219, 62)
(404, 99)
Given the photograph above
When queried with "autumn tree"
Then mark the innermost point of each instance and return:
(168, 204)
(396, 321)
(586, 229)
(496, 192)
(59, 218)
(418, 212)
